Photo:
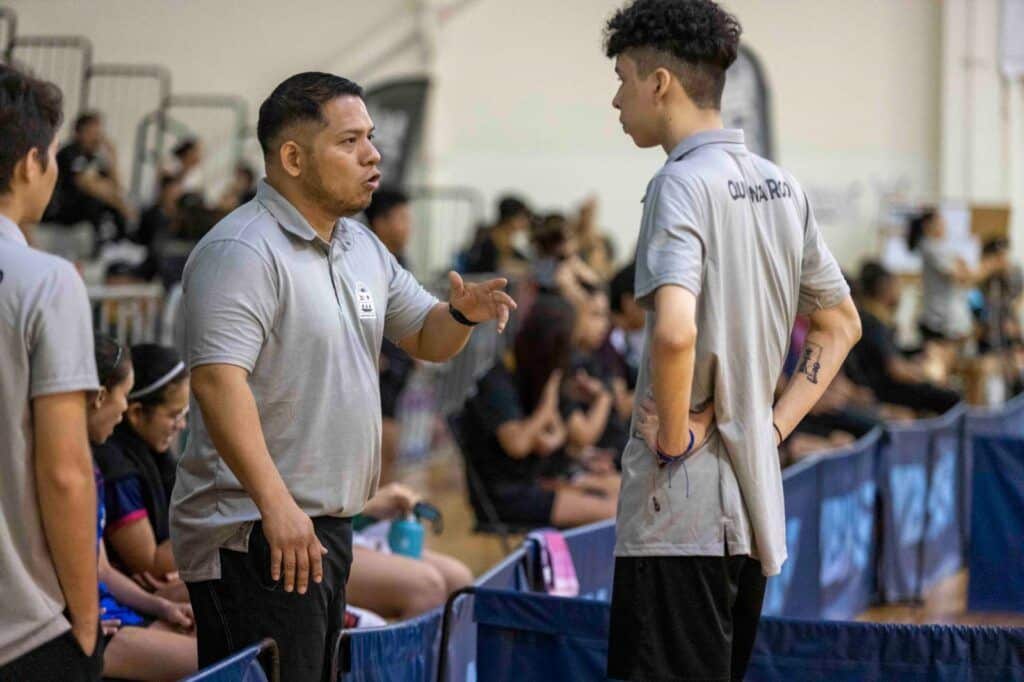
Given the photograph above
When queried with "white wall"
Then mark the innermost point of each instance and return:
(523, 96)
(525, 103)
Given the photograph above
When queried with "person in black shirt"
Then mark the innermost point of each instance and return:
(390, 218)
(89, 188)
(876, 361)
(496, 249)
(512, 425)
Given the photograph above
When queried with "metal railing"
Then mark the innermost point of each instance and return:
(125, 94)
(63, 60)
(445, 220)
(131, 313)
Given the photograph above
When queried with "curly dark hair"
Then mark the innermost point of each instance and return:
(694, 39)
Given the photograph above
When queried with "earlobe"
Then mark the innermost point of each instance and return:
(290, 160)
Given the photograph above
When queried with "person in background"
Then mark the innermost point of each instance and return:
(139, 469)
(49, 623)
(186, 165)
(946, 278)
(137, 647)
(627, 332)
(241, 189)
(499, 248)
(595, 248)
(389, 216)
(89, 188)
(876, 361)
(392, 585)
(513, 425)
(557, 267)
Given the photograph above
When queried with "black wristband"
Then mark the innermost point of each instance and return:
(459, 317)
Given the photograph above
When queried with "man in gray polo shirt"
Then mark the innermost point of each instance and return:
(50, 615)
(286, 303)
(728, 254)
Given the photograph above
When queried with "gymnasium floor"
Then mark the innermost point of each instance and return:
(441, 481)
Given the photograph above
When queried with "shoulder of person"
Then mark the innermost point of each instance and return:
(366, 238)
(248, 231)
(112, 460)
(34, 271)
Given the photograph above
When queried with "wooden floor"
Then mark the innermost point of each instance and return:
(442, 482)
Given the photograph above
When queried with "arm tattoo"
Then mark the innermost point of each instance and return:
(810, 362)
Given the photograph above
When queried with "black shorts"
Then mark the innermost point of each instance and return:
(684, 617)
(523, 504)
(246, 604)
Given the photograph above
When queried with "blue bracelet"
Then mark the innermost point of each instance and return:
(669, 459)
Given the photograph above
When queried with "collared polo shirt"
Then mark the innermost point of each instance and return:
(738, 232)
(305, 318)
(46, 347)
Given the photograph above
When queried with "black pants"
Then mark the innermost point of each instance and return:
(59, 659)
(246, 605)
(684, 617)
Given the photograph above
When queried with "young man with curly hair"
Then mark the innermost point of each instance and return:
(728, 254)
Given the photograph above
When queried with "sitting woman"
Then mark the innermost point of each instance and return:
(139, 469)
(145, 634)
(392, 585)
(512, 426)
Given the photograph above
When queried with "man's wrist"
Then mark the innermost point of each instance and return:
(667, 458)
(459, 317)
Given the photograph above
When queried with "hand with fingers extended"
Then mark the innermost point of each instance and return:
(481, 301)
(295, 550)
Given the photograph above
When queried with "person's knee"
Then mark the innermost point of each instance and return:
(456, 576)
(426, 590)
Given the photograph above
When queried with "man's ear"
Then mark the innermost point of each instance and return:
(662, 83)
(291, 158)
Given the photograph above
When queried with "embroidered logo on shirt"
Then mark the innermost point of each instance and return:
(364, 299)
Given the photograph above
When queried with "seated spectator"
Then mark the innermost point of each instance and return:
(89, 188)
(597, 405)
(139, 469)
(241, 189)
(628, 319)
(390, 218)
(594, 248)
(877, 363)
(145, 634)
(185, 165)
(392, 585)
(557, 267)
(498, 249)
(512, 425)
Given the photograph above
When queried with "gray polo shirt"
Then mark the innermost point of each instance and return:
(305, 318)
(737, 231)
(46, 342)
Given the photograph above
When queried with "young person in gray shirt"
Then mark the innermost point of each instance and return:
(286, 302)
(49, 621)
(728, 254)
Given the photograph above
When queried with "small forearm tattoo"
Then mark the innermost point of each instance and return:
(810, 362)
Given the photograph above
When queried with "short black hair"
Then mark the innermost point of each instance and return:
(86, 118)
(873, 276)
(384, 200)
(300, 98)
(622, 285)
(550, 234)
(694, 39)
(511, 206)
(30, 114)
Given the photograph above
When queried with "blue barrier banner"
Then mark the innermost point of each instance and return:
(1006, 420)
(795, 651)
(847, 529)
(241, 667)
(903, 493)
(943, 550)
(523, 636)
(407, 651)
(996, 557)
(593, 554)
(794, 592)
